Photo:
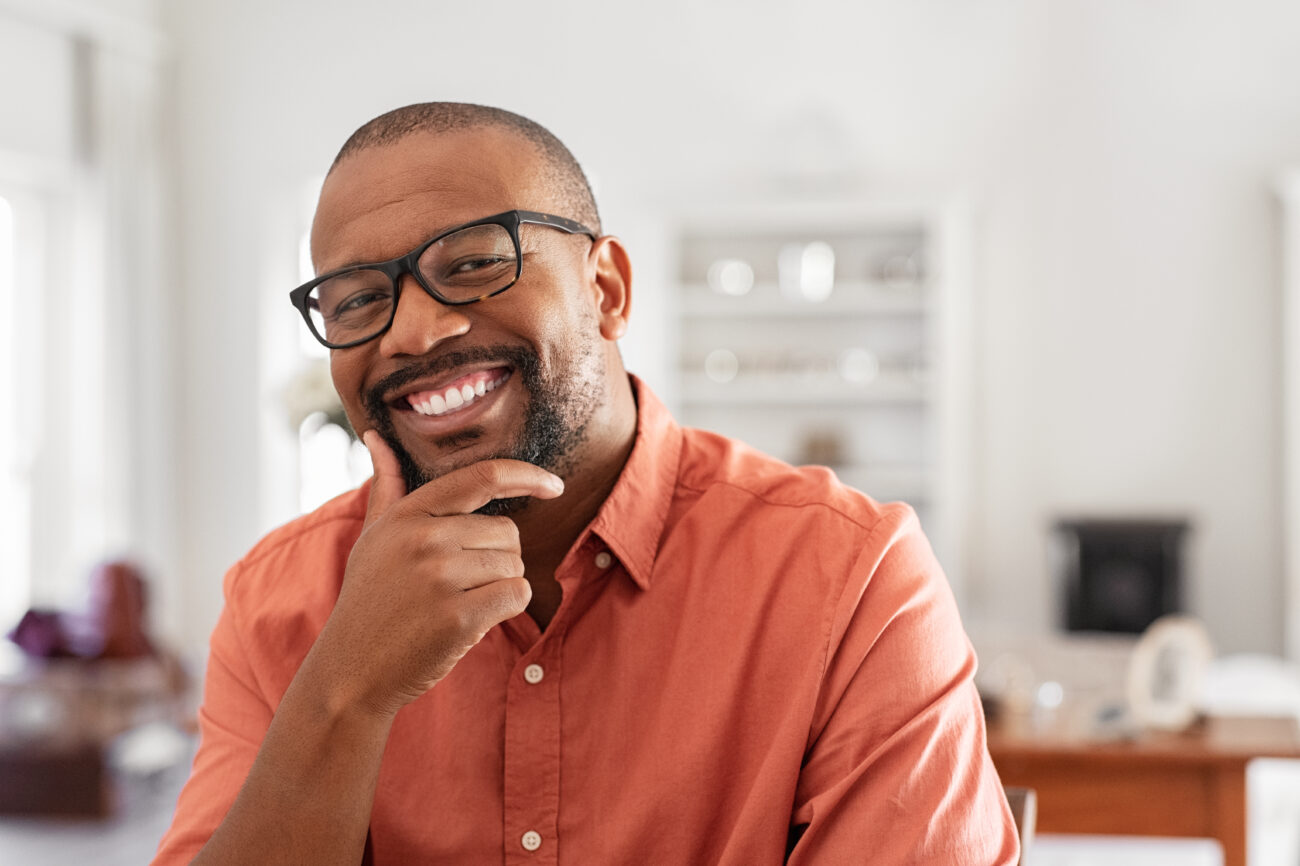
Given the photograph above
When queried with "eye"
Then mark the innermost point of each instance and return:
(359, 294)
(466, 266)
(359, 301)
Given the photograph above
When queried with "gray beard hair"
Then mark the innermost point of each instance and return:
(556, 419)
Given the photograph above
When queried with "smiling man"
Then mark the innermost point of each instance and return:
(555, 627)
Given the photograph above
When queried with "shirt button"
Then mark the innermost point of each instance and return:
(533, 674)
(603, 559)
(531, 841)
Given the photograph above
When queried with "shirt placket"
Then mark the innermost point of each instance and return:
(532, 734)
(532, 755)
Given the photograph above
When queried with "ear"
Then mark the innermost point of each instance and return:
(611, 281)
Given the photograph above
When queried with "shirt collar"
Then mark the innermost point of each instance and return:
(631, 520)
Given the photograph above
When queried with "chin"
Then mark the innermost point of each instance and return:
(427, 459)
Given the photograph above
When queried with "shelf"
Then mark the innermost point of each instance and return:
(882, 362)
(775, 393)
(766, 301)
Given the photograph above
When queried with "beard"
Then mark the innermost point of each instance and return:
(555, 422)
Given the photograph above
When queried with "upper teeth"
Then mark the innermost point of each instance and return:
(456, 397)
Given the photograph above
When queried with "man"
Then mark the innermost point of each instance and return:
(556, 627)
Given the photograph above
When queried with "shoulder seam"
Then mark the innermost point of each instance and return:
(766, 501)
(263, 550)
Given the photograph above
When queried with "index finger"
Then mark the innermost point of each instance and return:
(388, 486)
(469, 488)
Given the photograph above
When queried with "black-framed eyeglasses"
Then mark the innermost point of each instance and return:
(463, 265)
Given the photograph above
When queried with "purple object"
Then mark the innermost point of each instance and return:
(40, 634)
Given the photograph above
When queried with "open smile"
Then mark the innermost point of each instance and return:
(442, 407)
(459, 394)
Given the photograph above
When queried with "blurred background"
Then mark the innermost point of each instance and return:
(1022, 264)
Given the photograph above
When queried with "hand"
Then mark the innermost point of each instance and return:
(427, 579)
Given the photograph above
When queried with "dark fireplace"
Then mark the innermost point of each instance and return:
(1118, 575)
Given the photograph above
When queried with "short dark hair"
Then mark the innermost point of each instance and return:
(564, 175)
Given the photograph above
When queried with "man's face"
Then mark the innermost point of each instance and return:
(518, 375)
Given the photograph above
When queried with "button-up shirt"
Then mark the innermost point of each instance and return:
(751, 664)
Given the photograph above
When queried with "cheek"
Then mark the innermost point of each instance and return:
(551, 320)
(560, 335)
(569, 314)
(347, 371)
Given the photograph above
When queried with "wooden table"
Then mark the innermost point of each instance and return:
(1191, 784)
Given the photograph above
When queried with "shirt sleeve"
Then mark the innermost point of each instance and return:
(898, 769)
(233, 720)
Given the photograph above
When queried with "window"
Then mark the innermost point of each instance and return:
(308, 455)
(15, 497)
(85, 470)
(330, 462)
(22, 254)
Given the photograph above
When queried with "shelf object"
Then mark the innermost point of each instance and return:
(776, 391)
(836, 334)
(850, 298)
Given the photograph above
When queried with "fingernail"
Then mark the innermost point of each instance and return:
(556, 483)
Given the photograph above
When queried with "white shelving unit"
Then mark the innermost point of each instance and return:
(862, 366)
(1287, 188)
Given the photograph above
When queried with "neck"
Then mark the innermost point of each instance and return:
(548, 528)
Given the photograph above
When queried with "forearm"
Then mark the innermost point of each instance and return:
(309, 793)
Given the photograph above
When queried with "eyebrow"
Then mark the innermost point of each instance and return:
(446, 229)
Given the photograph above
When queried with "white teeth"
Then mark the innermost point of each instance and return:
(455, 398)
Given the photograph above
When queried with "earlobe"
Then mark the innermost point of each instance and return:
(613, 330)
(612, 283)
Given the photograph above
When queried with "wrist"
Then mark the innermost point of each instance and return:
(337, 697)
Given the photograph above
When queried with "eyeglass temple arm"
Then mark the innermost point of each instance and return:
(559, 222)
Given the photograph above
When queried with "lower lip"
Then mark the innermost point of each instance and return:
(452, 422)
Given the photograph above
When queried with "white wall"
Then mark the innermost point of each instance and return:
(1118, 156)
(35, 121)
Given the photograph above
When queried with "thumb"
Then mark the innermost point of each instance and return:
(388, 485)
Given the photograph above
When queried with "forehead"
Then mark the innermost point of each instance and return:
(381, 201)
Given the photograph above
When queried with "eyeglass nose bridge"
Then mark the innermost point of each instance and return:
(408, 265)
(427, 323)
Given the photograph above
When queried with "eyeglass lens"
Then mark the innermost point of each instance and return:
(466, 265)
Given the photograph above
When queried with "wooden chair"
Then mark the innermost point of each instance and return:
(1024, 809)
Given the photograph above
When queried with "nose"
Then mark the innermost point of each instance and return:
(421, 322)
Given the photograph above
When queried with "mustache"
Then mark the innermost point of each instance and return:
(523, 360)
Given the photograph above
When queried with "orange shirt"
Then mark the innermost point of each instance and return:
(750, 662)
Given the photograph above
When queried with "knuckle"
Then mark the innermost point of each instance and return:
(465, 620)
(515, 595)
(487, 562)
(509, 530)
(428, 545)
(501, 563)
(506, 598)
(440, 574)
(490, 473)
